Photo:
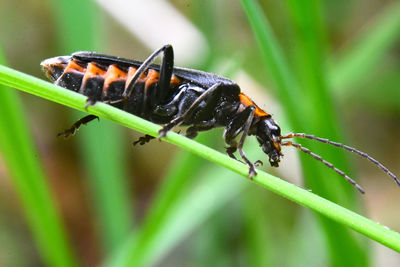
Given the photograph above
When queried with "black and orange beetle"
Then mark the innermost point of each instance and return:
(174, 96)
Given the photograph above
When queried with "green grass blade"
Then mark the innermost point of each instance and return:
(315, 101)
(203, 199)
(290, 93)
(25, 171)
(258, 242)
(310, 58)
(146, 242)
(365, 52)
(303, 197)
(276, 63)
(103, 157)
(170, 192)
(108, 182)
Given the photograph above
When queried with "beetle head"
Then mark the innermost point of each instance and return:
(268, 134)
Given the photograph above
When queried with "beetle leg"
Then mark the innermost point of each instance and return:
(233, 129)
(192, 131)
(143, 140)
(213, 90)
(72, 130)
(242, 122)
(252, 170)
(165, 70)
(232, 149)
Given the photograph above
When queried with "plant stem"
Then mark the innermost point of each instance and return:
(303, 197)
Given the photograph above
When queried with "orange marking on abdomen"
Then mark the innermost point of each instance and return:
(131, 72)
(246, 101)
(152, 77)
(175, 81)
(113, 74)
(74, 67)
(92, 71)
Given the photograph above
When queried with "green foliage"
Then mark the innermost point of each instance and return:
(333, 211)
(25, 169)
(222, 219)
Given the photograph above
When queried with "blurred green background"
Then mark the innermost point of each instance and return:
(156, 205)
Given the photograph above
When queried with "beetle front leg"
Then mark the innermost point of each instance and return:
(241, 123)
(246, 128)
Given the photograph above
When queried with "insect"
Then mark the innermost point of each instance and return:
(174, 96)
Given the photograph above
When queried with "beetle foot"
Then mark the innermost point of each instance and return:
(252, 171)
(143, 140)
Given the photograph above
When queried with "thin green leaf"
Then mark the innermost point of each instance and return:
(303, 197)
(203, 199)
(365, 52)
(310, 57)
(276, 63)
(26, 172)
(167, 195)
(103, 157)
(145, 243)
(258, 242)
(316, 103)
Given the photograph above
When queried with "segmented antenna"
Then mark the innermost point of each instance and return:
(348, 148)
(330, 165)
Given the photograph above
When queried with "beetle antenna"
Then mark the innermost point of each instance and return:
(328, 164)
(348, 148)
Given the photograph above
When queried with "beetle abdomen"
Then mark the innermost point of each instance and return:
(97, 81)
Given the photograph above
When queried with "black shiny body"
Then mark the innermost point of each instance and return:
(145, 102)
(168, 95)
(174, 96)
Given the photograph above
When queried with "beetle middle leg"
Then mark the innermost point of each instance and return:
(214, 90)
(192, 131)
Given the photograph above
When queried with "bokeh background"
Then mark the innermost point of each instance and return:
(158, 206)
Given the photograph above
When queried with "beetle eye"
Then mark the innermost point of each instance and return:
(273, 126)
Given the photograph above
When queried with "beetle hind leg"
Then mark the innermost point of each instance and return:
(143, 140)
(75, 127)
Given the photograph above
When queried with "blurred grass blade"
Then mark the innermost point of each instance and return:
(289, 90)
(105, 164)
(310, 58)
(25, 170)
(145, 243)
(277, 65)
(259, 245)
(165, 23)
(316, 101)
(368, 48)
(309, 48)
(331, 210)
(102, 148)
(194, 206)
(169, 193)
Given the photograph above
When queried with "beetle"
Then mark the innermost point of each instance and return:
(173, 96)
